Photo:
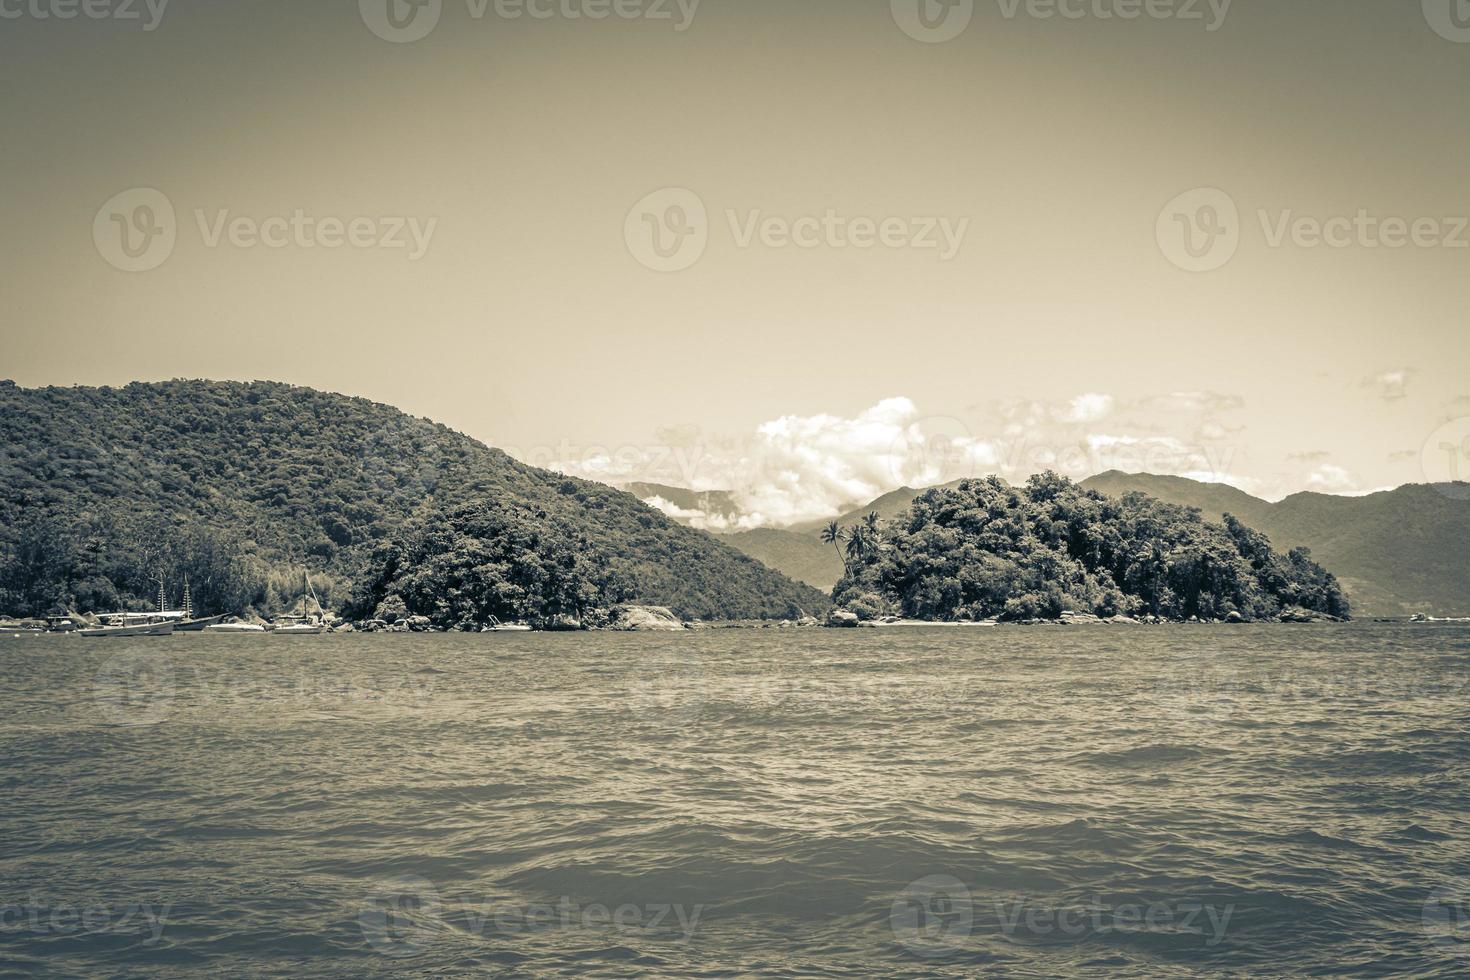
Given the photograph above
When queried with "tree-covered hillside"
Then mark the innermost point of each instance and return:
(1396, 552)
(236, 486)
(984, 549)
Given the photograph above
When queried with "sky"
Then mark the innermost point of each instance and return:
(803, 250)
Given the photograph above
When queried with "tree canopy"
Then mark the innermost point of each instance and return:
(985, 549)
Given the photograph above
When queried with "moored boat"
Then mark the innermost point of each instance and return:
(138, 629)
(308, 623)
(198, 625)
(298, 629)
(234, 628)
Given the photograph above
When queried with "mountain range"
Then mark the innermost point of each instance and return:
(1396, 553)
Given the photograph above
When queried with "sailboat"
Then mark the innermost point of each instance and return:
(189, 624)
(307, 624)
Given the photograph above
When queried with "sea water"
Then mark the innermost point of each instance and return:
(1014, 801)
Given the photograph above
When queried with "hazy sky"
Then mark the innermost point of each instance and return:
(1043, 158)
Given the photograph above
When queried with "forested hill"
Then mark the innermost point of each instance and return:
(1397, 552)
(236, 486)
(985, 549)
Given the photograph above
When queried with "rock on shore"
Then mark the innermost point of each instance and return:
(628, 619)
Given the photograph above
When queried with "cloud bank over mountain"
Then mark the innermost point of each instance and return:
(796, 469)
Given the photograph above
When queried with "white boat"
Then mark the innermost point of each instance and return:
(234, 628)
(306, 624)
(141, 629)
(496, 626)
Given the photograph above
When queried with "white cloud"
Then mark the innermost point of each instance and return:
(1330, 478)
(797, 468)
(1089, 408)
(803, 468)
(1392, 385)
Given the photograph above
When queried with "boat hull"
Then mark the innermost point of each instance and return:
(151, 629)
(233, 628)
(198, 625)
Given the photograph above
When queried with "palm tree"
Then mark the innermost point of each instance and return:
(857, 544)
(833, 534)
(871, 524)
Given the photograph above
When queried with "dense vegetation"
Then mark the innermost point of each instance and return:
(1396, 552)
(984, 549)
(103, 492)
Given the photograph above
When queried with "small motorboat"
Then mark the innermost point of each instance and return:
(21, 627)
(496, 626)
(138, 629)
(234, 628)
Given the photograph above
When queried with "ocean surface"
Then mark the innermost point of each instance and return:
(1016, 802)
